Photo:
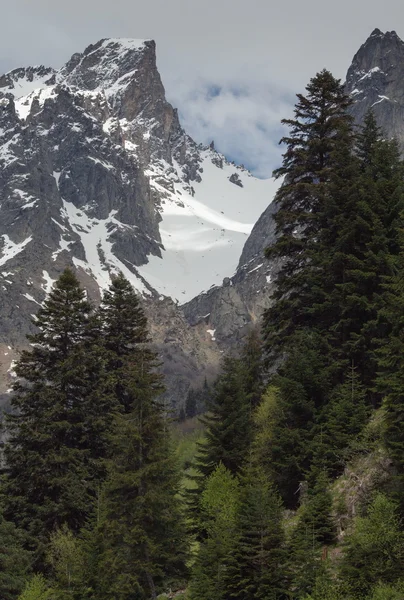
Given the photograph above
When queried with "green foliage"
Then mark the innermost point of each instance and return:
(218, 504)
(339, 423)
(15, 562)
(140, 517)
(374, 550)
(256, 566)
(391, 364)
(326, 588)
(385, 591)
(67, 560)
(302, 383)
(314, 530)
(321, 124)
(59, 428)
(37, 589)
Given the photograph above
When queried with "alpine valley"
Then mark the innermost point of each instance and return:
(96, 173)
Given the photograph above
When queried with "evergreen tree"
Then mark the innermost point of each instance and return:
(228, 422)
(140, 532)
(15, 562)
(190, 403)
(58, 433)
(218, 505)
(374, 551)
(339, 424)
(302, 385)
(391, 366)
(125, 339)
(314, 530)
(251, 362)
(142, 537)
(256, 567)
(37, 588)
(321, 124)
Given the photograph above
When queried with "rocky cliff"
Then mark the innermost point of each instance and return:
(97, 173)
(375, 80)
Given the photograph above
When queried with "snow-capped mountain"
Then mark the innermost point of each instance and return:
(108, 103)
(96, 172)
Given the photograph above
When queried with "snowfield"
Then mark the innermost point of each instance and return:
(203, 235)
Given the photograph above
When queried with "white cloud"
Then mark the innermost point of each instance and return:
(267, 49)
(243, 121)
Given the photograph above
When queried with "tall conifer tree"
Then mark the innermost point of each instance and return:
(141, 536)
(58, 433)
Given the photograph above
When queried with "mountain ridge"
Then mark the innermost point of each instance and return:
(98, 174)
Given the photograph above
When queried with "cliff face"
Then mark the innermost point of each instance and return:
(96, 173)
(375, 80)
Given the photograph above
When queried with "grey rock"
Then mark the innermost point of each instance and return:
(375, 80)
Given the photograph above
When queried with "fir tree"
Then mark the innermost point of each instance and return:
(256, 567)
(374, 551)
(125, 338)
(314, 530)
(339, 424)
(321, 123)
(302, 386)
(58, 433)
(142, 538)
(218, 505)
(15, 561)
(391, 365)
(228, 422)
(140, 533)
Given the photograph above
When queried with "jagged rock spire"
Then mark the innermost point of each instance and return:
(375, 80)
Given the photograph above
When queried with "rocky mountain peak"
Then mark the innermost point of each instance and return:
(96, 173)
(381, 53)
(374, 80)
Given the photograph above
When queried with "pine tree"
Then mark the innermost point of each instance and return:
(321, 124)
(218, 505)
(228, 422)
(190, 404)
(359, 216)
(302, 385)
(374, 551)
(391, 366)
(256, 567)
(15, 561)
(314, 530)
(339, 424)
(58, 433)
(125, 338)
(141, 536)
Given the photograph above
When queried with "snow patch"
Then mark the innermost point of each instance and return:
(11, 249)
(48, 285)
(100, 260)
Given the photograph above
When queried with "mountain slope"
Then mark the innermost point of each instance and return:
(97, 173)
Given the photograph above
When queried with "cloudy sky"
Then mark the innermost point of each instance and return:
(232, 67)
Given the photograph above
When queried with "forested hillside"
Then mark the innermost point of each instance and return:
(295, 489)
